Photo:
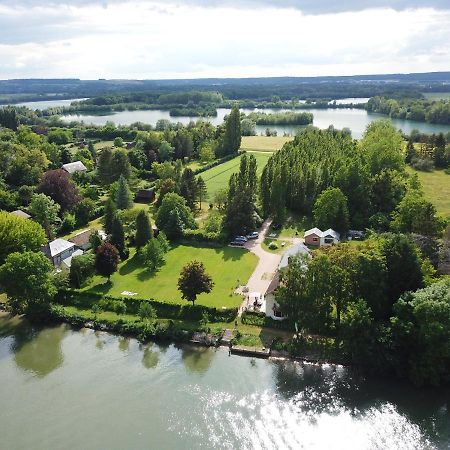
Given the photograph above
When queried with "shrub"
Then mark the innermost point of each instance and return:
(273, 245)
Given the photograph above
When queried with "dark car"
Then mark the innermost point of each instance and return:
(237, 243)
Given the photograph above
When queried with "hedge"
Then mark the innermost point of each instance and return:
(259, 319)
(217, 162)
(163, 309)
(138, 328)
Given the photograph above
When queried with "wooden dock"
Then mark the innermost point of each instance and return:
(256, 352)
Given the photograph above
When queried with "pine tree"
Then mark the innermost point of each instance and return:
(110, 213)
(123, 196)
(202, 192)
(117, 237)
(143, 229)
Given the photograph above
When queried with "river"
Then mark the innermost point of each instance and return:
(66, 389)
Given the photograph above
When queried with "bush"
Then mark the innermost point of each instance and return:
(202, 236)
(423, 164)
(259, 319)
(273, 245)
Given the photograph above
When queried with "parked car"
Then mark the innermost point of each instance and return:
(253, 235)
(241, 238)
(237, 243)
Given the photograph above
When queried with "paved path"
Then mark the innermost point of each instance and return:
(267, 264)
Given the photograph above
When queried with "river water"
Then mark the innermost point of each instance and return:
(65, 389)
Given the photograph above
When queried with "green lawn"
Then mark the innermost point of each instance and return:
(436, 185)
(226, 266)
(217, 177)
(264, 143)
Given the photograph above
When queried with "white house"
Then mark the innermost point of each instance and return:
(295, 250)
(319, 238)
(60, 252)
(76, 166)
(269, 306)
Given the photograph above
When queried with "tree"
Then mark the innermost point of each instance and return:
(403, 263)
(123, 197)
(153, 254)
(231, 140)
(106, 260)
(117, 237)
(331, 211)
(110, 213)
(81, 269)
(194, 280)
(26, 278)
(9, 118)
(240, 212)
(57, 185)
(421, 331)
(95, 240)
(220, 199)
(143, 229)
(104, 166)
(206, 153)
(173, 216)
(84, 211)
(45, 211)
(415, 214)
(248, 127)
(201, 191)
(120, 165)
(188, 187)
(19, 235)
(118, 142)
(165, 151)
(166, 186)
(382, 145)
(59, 136)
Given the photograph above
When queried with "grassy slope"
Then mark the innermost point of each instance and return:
(217, 177)
(436, 186)
(264, 143)
(225, 265)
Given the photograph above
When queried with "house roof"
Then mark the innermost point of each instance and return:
(293, 251)
(332, 233)
(73, 167)
(58, 246)
(68, 261)
(22, 214)
(273, 284)
(81, 238)
(145, 194)
(315, 231)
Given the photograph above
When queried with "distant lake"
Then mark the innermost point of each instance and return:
(44, 104)
(65, 389)
(355, 119)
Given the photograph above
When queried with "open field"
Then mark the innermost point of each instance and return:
(264, 143)
(436, 186)
(217, 177)
(225, 265)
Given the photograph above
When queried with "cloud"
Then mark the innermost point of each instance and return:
(306, 6)
(134, 39)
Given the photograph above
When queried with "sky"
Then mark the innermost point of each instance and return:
(138, 39)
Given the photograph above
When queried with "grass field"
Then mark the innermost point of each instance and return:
(436, 186)
(217, 177)
(225, 265)
(264, 143)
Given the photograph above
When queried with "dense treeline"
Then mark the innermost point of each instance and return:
(373, 298)
(281, 118)
(423, 110)
(370, 174)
